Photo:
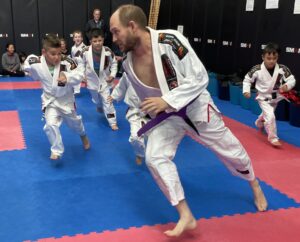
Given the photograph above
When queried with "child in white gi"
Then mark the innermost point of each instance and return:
(76, 51)
(136, 119)
(100, 70)
(58, 101)
(271, 79)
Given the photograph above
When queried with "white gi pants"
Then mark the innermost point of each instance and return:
(267, 118)
(77, 88)
(54, 117)
(165, 137)
(137, 143)
(100, 99)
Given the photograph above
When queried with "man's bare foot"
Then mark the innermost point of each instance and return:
(138, 160)
(114, 127)
(259, 197)
(85, 142)
(54, 156)
(184, 223)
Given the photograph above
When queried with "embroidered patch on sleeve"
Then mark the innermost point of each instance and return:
(70, 61)
(253, 70)
(286, 71)
(178, 48)
(34, 60)
(169, 72)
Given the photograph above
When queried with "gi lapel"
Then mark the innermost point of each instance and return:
(90, 58)
(157, 62)
(48, 76)
(102, 61)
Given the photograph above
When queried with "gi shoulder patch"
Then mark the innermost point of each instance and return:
(286, 71)
(84, 49)
(178, 48)
(34, 60)
(70, 61)
(109, 50)
(78, 53)
(253, 70)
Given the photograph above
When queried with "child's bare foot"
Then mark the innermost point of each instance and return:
(184, 223)
(114, 127)
(138, 160)
(259, 197)
(54, 156)
(85, 142)
(276, 143)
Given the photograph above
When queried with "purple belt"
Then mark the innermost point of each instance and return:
(163, 116)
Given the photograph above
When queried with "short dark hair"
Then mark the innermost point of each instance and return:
(130, 12)
(8, 44)
(271, 48)
(95, 33)
(51, 41)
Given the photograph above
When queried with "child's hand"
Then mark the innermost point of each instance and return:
(110, 99)
(119, 58)
(109, 79)
(61, 80)
(283, 88)
(246, 94)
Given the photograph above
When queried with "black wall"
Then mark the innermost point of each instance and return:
(26, 22)
(226, 37)
(231, 38)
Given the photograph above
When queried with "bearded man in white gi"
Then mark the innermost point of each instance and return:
(171, 82)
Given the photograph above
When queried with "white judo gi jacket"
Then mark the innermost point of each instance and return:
(124, 91)
(60, 96)
(108, 67)
(76, 51)
(181, 76)
(265, 84)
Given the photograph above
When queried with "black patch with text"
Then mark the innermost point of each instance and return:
(278, 82)
(169, 72)
(34, 60)
(110, 115)
(243, 172)
(253, 70)
(286, 71)
(178, 48)
(70, 61)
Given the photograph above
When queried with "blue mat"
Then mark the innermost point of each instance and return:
(15, 79)
(103, 189)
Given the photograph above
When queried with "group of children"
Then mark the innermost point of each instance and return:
(61, 76)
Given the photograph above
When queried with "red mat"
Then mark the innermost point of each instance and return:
(20, 85)
(278, 167)
(275, 226)
(11, 135)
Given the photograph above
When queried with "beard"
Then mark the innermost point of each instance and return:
(130, 43)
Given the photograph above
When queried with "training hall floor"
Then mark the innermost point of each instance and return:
(102, 195)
